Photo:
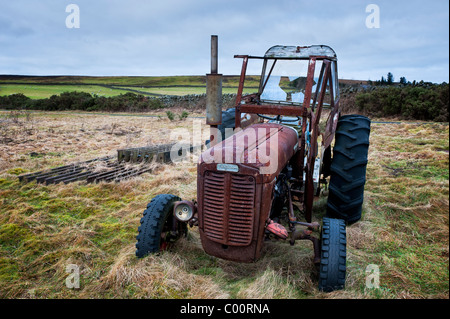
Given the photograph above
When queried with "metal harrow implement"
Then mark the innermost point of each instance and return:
(129, 162)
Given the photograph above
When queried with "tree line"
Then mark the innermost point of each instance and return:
(82, 101)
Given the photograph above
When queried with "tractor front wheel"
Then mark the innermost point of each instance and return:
(157, 231)
(333, 256)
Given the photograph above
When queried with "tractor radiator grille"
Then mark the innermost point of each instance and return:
(228, 206)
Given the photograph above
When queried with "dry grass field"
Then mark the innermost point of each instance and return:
(43, 229)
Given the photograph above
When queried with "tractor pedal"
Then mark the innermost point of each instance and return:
(277, 229)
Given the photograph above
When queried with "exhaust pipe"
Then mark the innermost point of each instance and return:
(214, 94)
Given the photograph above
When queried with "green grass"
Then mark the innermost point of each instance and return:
(407, 190)
(29, 247)
(43, 87)
(45, 91)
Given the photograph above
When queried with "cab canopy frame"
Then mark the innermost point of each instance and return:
(314, 90)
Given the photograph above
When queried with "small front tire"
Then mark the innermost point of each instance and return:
(156, 231)
(333, 257)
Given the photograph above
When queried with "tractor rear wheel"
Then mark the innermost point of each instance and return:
(333, 255)
(348, 168)
(156, 230)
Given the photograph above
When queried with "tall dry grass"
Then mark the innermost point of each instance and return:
(404, 229)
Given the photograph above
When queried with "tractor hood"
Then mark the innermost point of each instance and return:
(265, 146)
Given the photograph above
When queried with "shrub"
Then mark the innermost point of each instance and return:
(84, 102)
(128, 102)
(184, 115)
(14, 101)
(424, 101)
(170, 115)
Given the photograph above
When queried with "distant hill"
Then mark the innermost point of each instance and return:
(141, 81)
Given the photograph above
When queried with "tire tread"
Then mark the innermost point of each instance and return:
(348, 168)
(151, 224)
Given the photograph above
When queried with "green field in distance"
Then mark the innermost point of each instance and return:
(38, 87)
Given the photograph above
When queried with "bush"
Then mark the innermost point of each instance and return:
(14, 101)
(82, 101)
(128, 102)
(184, 115)
(425, 101)
(170, 115)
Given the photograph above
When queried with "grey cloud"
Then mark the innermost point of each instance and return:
(172, 37)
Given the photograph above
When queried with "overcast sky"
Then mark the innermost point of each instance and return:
(172, 37)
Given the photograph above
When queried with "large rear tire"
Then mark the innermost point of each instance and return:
(156, 230)
(333, 258)
(348, 168)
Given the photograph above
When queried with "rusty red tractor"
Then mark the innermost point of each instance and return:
(259, 183)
